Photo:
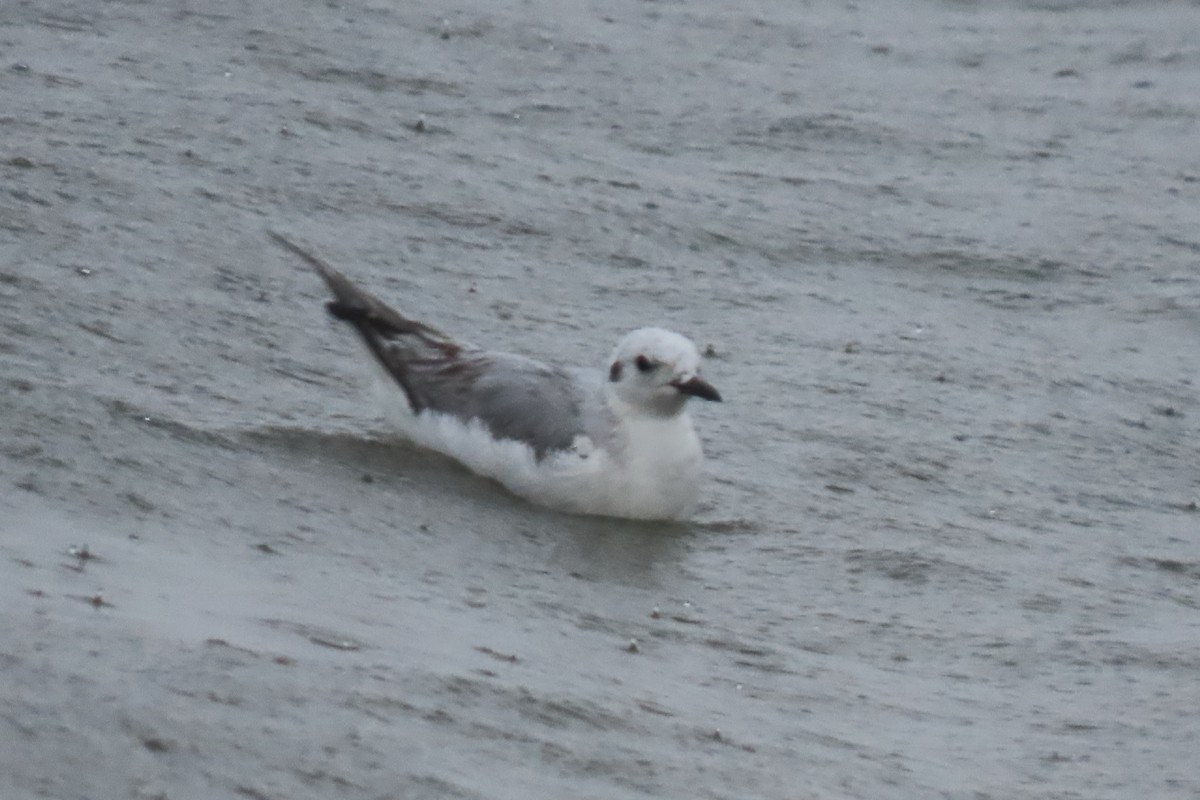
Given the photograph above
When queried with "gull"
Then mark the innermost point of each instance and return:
(614, 442)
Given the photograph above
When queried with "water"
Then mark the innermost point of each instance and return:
(946, 260)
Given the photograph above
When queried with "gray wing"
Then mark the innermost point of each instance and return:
(540, 404)
(515, 397)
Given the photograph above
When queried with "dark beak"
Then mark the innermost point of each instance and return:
(698, 387)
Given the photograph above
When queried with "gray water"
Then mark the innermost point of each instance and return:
(946, 255)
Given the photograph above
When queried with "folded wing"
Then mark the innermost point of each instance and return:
(515, 397)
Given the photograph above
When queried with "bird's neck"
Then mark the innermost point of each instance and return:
(664, 409)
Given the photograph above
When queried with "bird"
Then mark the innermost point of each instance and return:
(615, 441)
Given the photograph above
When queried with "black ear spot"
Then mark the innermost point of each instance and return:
(614, 372)
(643, 364)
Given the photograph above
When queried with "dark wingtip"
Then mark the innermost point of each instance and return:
(345, 312)
(328, 273)
(350, 303)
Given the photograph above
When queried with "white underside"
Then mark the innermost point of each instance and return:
(650, 470)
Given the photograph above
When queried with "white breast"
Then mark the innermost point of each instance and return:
(648, 468)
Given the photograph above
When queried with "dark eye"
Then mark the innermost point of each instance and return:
(644, 364)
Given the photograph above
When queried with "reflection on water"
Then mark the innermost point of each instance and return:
(618, 551)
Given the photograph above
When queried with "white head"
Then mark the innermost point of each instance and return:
(656, 371)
